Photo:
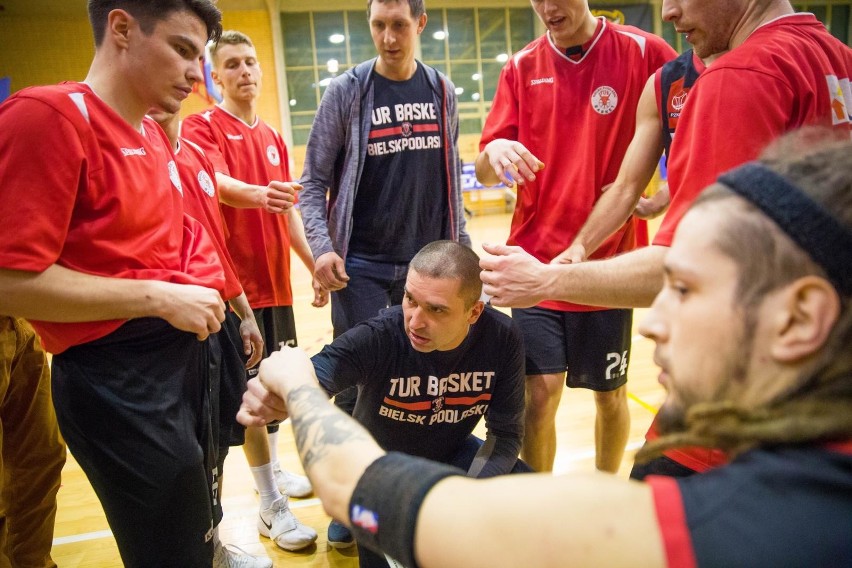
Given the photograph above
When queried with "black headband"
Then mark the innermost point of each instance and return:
(809, 224)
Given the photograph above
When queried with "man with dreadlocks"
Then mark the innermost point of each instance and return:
(753, 330)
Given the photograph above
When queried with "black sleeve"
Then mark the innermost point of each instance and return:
(497, 456)
(351, 358)
(504, 420)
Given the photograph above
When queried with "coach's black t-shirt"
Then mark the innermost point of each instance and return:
(401, 204)
(427, 404)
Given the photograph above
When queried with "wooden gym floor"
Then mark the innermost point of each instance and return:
(82, 536)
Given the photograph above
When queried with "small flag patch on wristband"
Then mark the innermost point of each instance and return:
(365, 518)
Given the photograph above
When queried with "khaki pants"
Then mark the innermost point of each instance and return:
(32, 452)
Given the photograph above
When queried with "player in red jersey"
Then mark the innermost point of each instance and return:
(250, 159)
(123, 287)
(585, 77)
(657, 115)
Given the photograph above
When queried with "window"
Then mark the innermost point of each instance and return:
(317, 47)
(469, 45)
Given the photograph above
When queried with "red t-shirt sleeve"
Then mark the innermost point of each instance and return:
(200, 131)
(671, 518)
(36, 203)
(705, 146)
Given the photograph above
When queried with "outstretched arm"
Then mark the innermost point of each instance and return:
(581, 520)
(513, 277)
(593, 520)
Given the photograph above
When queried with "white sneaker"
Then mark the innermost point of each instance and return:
(292, 484)
(230, 556)
(280, 524)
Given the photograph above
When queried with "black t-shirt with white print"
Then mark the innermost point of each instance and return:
(401, 204)
(426, 404)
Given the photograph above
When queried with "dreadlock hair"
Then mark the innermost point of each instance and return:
(819, 407)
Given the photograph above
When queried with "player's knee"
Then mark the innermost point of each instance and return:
(541, 412)
(611, 402)
(541, 400)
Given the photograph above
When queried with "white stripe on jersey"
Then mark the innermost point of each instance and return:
(80, 102)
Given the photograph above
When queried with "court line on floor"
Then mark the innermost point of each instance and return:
(238, 511)
(82, 537)
(649, 407)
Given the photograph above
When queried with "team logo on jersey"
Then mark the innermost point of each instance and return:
(407, 129)
(206, 183)
(438, 404)
(174, 176)
(272, 155)
(678, 101)
(604, 100)
(675, 99)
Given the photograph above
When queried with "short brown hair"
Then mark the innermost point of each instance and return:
(418, 7)
(149, 12)
(229, 37)
(451, 260)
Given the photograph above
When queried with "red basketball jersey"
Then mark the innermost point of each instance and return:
(578, 117)
(789, 73)
(259, 242)
(108, 203)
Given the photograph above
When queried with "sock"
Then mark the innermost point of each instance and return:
(273, 450)
(264, 480)
(218, 547)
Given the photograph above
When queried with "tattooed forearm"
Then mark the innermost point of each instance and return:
(318, 426)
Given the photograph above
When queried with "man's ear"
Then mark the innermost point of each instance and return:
(476, 311)
(421, 23)
(119, 23)
(809, 309)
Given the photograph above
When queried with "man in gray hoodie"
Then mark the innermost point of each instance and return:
(383, 146)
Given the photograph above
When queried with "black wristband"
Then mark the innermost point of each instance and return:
(387, 499)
